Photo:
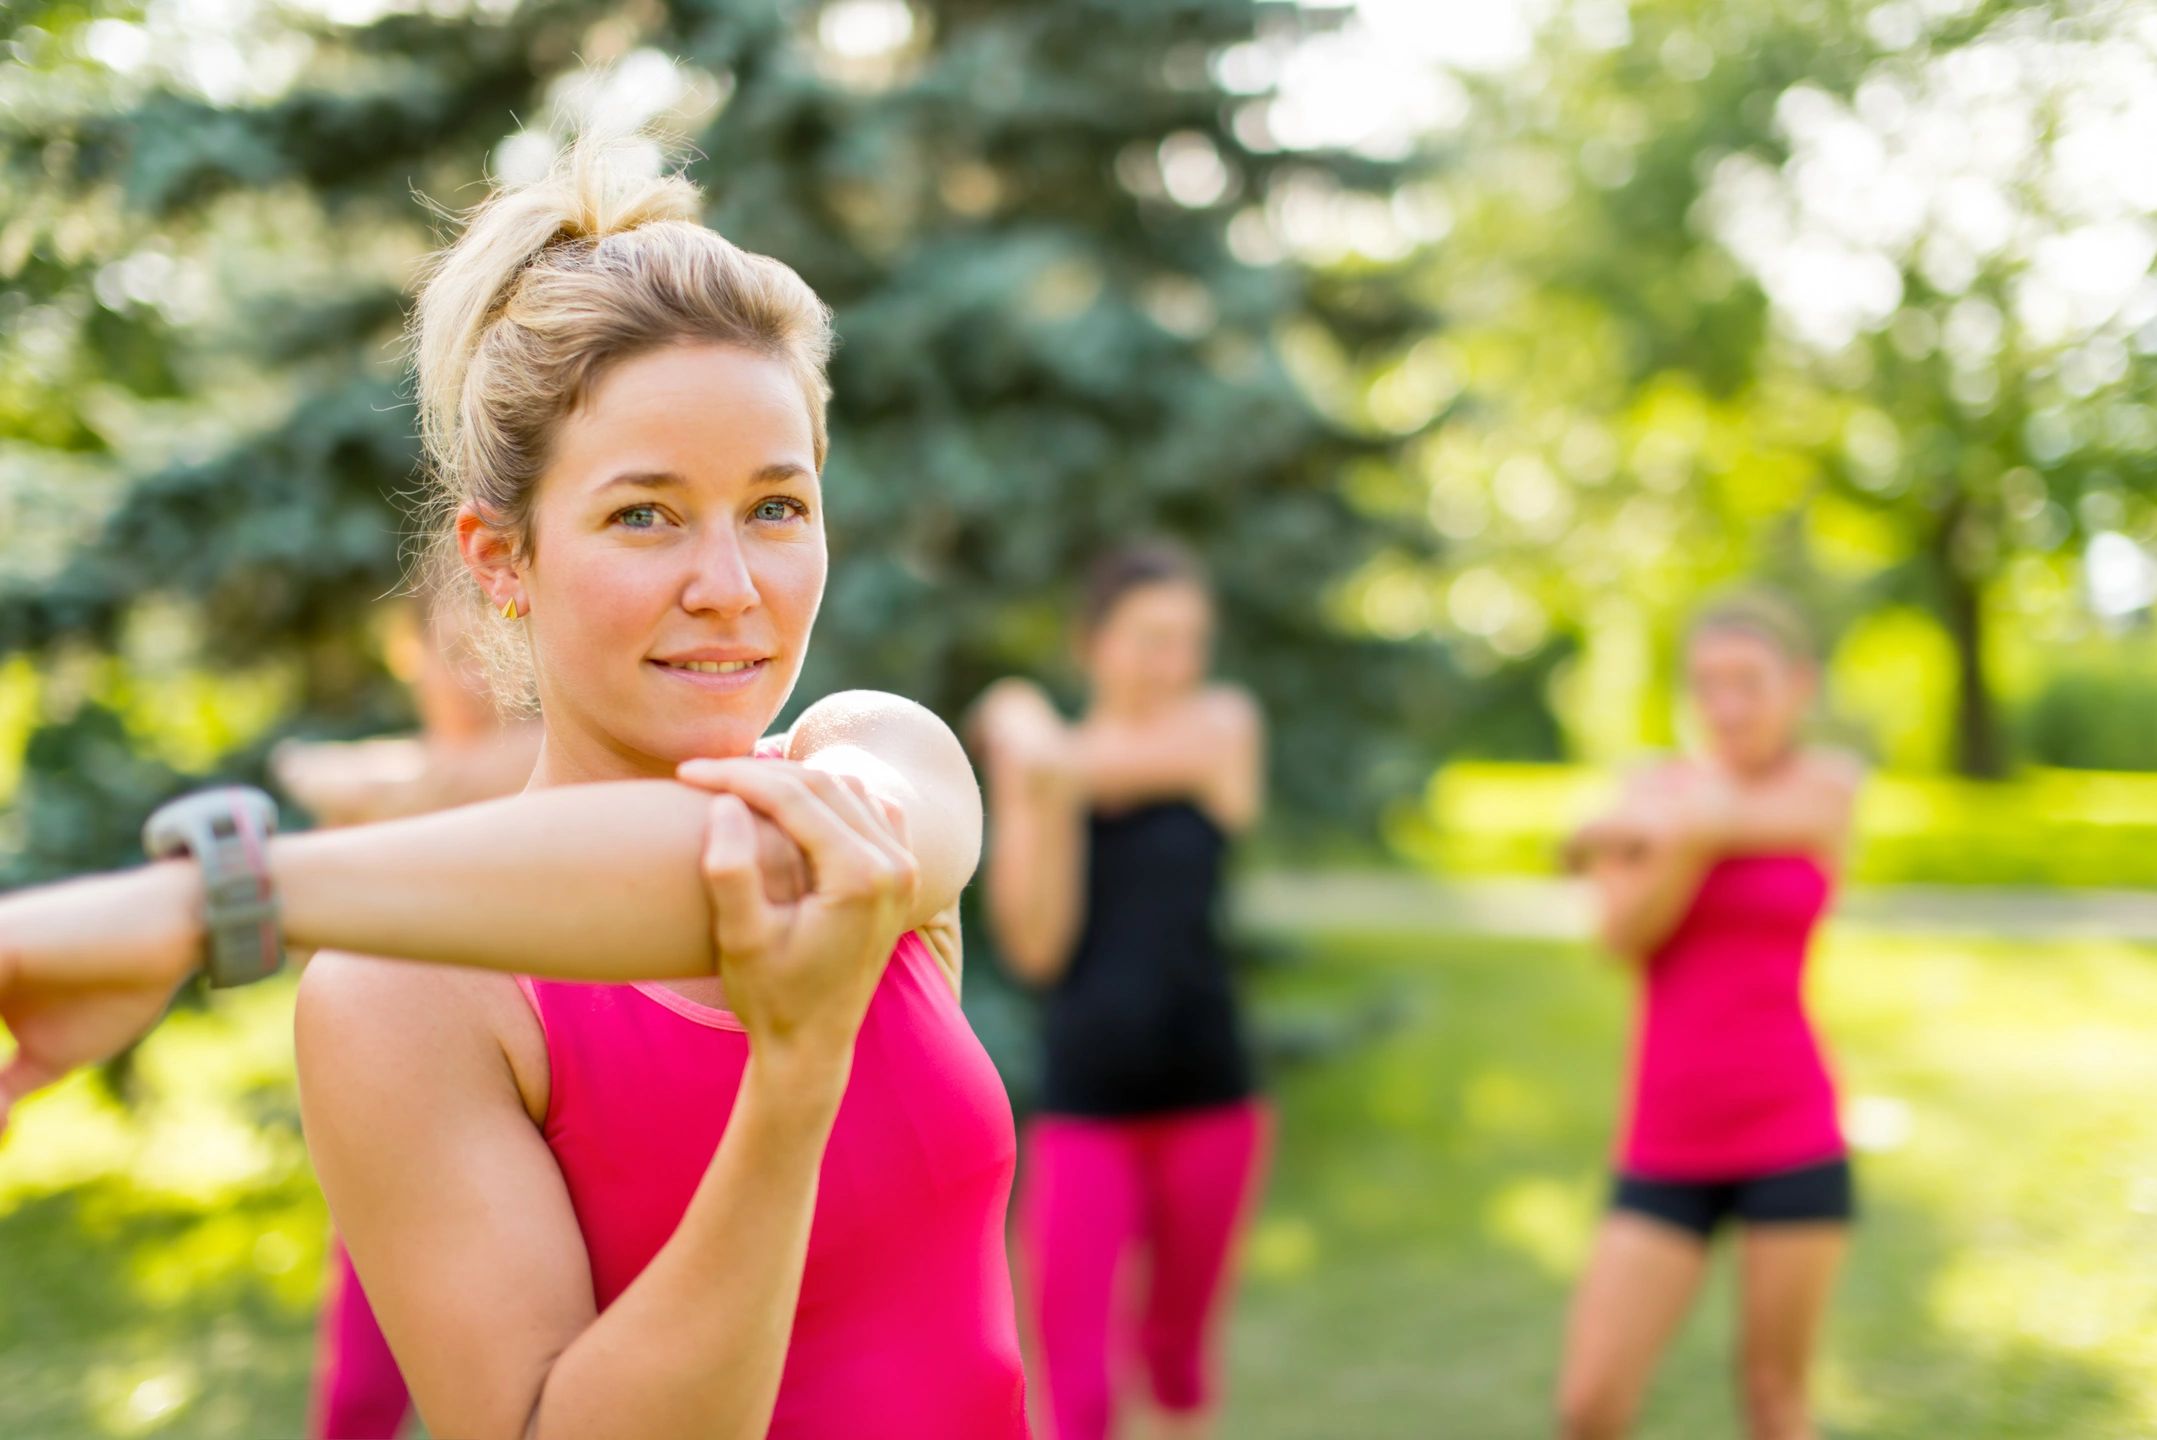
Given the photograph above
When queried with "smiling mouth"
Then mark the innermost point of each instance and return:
(709, 667)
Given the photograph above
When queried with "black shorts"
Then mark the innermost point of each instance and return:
(1815, 1194)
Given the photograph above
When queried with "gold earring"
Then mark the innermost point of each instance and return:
(509, 608)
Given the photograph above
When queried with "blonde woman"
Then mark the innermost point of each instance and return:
(762, 1192)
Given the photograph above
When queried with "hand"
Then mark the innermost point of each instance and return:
(799, 973)
(778, 859)
(1023, 736)
(89, 966)
(352, 782)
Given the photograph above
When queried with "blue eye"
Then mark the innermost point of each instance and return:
(779, 508)
(638, 517)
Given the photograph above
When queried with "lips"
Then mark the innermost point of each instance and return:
(720, 676)
(710, 667)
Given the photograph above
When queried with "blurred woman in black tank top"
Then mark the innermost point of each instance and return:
(1107, 844)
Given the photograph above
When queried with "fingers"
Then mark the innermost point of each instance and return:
(879, 821)
(848, 843)
(741, 921)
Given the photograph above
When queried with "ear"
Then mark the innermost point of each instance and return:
(490, 554)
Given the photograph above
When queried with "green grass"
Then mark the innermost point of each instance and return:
(2047, 827)
(1435, 1190)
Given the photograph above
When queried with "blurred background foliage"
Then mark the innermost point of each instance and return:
(1471, 351)
(1472, 344)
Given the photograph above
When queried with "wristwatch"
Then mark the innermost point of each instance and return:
(227, 831)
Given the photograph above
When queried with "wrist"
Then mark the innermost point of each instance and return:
(802, 1076)
(175, 896)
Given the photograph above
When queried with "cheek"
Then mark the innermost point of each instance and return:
(790, 582)
(598, 597)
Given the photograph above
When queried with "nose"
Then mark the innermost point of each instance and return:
(719, 579)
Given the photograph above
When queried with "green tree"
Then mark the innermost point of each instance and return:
(1022, 214)
(1850, 295)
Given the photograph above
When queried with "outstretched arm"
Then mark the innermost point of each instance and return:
(1037, 852)
(1212, 752)
(585, 882)
(1647, 857)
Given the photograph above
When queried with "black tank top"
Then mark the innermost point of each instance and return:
(1144, 1019)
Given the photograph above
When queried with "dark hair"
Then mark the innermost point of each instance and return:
(1762, 614)
(1118, 572)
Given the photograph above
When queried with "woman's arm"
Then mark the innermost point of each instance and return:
(903, 754)
(361, 781)
(1643, 862)
(457, 1217)
(1642, 891)
(900, 753)
(460, 1226)
(1806, 808)
(584, 882)
(1646, 859)
(1211, 751)
(1037, 852)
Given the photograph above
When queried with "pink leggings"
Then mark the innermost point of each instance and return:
(1181, 1183)
(359, 1393)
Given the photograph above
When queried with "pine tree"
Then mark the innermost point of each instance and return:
(1023, 215)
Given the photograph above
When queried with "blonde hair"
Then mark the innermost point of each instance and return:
(1763, 614)
(551, 284)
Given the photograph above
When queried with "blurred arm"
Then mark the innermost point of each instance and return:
(1807, 808)
(1037, 832)
(1211, 752)
(1643, 865)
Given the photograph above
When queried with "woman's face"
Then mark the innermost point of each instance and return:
(1153, 646)
(1750, 696)
(676, 560)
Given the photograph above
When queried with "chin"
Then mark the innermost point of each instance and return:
(718, 740)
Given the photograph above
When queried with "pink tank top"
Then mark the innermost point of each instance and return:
(905, 1328)
(1728, 1077)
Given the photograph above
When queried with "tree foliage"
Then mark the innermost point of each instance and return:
(1021, 213)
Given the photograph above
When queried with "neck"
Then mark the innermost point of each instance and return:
(1759, 770)
(565, 761)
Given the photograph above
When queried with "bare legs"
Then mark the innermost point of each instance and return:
(1640, 1283)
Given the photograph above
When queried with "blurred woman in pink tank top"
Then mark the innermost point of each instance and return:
(1711, 875)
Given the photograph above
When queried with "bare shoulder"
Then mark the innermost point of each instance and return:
(1828, 765)
(411, 1025)
(1656, 773)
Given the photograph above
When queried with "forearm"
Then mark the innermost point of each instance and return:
(139, 926)
(1775, 821)
(1115, 773)
(585, 882)
(1642, 902)
(1036, 871)
(696, 1345)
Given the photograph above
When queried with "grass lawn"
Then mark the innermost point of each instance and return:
(1435, 1189)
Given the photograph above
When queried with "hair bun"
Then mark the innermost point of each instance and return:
(591, 191)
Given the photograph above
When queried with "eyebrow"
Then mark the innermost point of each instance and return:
(776, 473)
